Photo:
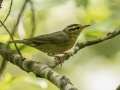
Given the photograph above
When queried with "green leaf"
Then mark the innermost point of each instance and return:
(81, 2)
(94, 34)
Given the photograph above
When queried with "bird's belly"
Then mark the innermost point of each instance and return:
(54, 48)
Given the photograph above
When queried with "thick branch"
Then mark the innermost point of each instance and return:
(79, 46)
(41, 70)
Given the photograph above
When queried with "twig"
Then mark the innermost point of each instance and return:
(1, 3)
(10, 36)
(33, 18)
(19, 16)
(79, 46)
(3, 66)
(33, 23)
(8, 13)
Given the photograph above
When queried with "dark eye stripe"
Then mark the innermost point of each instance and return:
(72, 25)
(74, 28)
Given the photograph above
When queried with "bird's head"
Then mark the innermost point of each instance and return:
(74, 29)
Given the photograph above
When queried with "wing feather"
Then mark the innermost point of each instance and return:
(59, 38)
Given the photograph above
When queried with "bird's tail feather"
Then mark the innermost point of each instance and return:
(19, 41)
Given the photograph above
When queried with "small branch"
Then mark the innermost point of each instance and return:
(79, 46)
(3, 66)
(10, 36)
(33, 18)
(41, 70)
(33, 22)
(1, 3)
(8, 13)
(19, 16)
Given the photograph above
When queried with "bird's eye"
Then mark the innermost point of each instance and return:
(77, 27)
(72, 28)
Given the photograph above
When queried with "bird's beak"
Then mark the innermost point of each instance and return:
(84, 26)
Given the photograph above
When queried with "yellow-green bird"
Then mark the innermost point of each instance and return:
(57, 42)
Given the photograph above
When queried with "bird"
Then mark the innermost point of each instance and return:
(55, 43)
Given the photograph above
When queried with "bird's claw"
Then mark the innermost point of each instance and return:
(60, 59)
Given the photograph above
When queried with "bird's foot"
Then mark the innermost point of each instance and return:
(59, 58)
(56, 57)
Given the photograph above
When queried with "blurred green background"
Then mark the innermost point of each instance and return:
(93, 68)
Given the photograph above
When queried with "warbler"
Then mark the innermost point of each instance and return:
(57, 42)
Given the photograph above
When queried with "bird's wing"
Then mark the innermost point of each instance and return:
(59, 38)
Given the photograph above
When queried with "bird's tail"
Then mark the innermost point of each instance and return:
(19, 41)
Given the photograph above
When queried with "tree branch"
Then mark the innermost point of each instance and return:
(79, 46)
(41, 70)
